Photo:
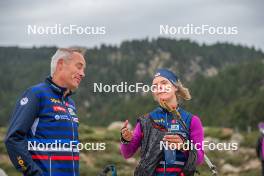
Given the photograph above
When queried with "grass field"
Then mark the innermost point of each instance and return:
(92, 162)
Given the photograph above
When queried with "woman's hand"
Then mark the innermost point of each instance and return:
(177, 140)
(126, 133)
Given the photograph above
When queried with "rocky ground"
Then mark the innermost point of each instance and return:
(241, 162)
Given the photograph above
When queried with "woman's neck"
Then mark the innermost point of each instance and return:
(172, 103)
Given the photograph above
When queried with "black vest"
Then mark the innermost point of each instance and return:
(150, 153)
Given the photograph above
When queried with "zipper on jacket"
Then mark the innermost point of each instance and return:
(50, 171)
(73, 164)
(73, 136)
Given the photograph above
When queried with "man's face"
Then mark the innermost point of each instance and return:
(72, 70)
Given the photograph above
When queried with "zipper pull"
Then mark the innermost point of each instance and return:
(62, 100)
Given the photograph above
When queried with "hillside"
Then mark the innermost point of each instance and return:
(226, 80)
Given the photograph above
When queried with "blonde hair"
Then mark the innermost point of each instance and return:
(182, 92)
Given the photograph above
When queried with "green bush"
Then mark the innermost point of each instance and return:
(250, 139)
(215, 132)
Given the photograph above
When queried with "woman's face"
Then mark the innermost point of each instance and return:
(163, 89)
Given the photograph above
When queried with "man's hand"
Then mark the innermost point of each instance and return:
(126, 133)
(175, 139)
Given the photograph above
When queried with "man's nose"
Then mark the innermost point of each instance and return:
(82, 74)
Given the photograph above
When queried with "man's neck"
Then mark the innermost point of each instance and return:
(60, 83)
(66, 92)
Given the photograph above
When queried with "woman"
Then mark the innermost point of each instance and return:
(153, 129)
(260, 145)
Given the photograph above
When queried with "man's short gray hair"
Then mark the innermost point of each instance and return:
(63, 53)
(60, 54)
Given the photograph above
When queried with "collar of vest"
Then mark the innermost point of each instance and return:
(161, 114)
(56, 88)
(160, 111)
(165, 110)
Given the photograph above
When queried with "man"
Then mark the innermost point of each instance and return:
(260, 145)
(43, 132)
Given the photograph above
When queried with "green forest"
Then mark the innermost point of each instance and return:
(226, 80)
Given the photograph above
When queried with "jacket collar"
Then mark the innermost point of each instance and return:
(56, 88)
(165, 110)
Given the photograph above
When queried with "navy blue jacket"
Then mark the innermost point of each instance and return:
(43, 134)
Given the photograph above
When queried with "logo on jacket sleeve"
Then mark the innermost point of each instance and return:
(24, 101)
(21, 163)
(59, 109)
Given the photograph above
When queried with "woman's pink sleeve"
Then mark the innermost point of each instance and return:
(128, 150)
(197, 136)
